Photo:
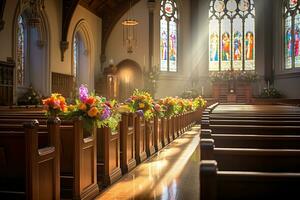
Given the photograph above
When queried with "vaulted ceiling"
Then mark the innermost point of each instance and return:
(110, 11)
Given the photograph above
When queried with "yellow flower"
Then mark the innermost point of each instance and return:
(93, 112)
(141, 105)
(82, 107)
(71, 107)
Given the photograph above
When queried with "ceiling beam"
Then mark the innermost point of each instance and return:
(69, 7)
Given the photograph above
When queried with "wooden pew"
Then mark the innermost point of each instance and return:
(255, 129)
(108, 156)
(150, 139)
(254, 122)
(158, 133)
(140, 139)
(127, 141)
(78, 153)
(170, 129)
(27, 171)
(234, 185)
(246, 159)
(253, 141)
(165, 134)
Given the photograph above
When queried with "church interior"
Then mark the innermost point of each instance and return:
(149, 99)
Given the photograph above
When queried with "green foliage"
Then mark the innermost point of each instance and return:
(270, 93)
(31, 97)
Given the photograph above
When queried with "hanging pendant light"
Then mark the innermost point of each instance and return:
(129, 31)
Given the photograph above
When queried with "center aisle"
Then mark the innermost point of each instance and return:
(172, 173)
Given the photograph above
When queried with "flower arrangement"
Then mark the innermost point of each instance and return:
(55, 104)
(141, 103)
(199, 102)
(168, 106)
(158, 110)
(231, 75)
(31, 97)
(270, 92)
(94, 110)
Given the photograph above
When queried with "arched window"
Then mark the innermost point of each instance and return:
(75, 55)
(292, 34)
(81, 55)
(168, 35)
(231, 35)
(20, 59)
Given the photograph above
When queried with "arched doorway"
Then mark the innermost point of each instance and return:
(130, 77)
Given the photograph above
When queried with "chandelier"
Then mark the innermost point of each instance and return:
(129, 31)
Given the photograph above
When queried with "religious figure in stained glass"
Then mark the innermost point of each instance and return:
(289, 42)
(164, 41)
(173, 47)
(232, 35)
(292, 34)
(237, 45)
(225, 46)
(214, 47)
(249, 45)
(168, 36)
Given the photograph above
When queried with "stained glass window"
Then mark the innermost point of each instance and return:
(20, 57)
(292, 34)
(168, 35)
(231, 35)
(75, 55)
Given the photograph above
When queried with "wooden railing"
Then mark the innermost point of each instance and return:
(6, 82)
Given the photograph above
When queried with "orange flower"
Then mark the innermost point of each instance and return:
(93, 112)
(91, 100)
(82, 107)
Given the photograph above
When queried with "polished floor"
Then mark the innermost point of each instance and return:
(171, 174)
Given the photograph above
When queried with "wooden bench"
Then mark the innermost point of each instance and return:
(249, 159)
(127, 141)
(78, 153)
(235, 185)
(27, 171)
(255, 129)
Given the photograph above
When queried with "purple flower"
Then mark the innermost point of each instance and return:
(83, 93)
(106, 113)
(140, 113)
(129, 100)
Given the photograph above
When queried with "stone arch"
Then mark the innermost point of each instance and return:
(130, 76)
(37, 51)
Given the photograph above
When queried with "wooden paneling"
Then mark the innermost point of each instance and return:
(63, 84)
(108, 155)
(140, 139)
(6, 83)
(150, 137)
(127, 141)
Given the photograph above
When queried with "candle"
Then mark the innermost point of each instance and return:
(202, 90)
(268, 85)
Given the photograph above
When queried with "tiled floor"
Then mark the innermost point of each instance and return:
(171, 174)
